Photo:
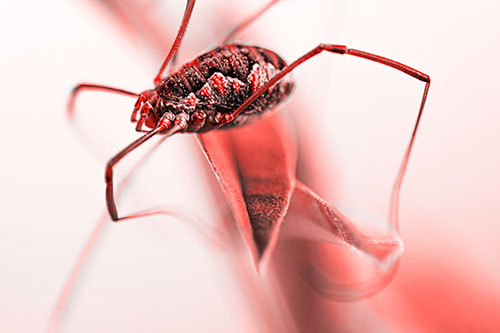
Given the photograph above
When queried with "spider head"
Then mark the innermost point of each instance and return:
(145, 111)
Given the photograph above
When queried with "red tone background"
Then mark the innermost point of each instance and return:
(158, 274)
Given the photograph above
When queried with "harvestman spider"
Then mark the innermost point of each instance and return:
(226, 87)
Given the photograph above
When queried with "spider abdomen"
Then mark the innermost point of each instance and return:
(219, 81)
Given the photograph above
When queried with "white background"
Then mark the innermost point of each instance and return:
(52, 189)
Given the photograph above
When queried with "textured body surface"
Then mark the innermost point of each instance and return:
(217, 82)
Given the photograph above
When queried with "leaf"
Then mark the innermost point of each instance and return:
(255, 165)
(313, 219)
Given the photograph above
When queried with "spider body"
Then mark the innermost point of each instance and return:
(212, 86)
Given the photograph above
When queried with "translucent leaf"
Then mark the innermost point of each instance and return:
(374, 248)
(256, 169)
(312, 218)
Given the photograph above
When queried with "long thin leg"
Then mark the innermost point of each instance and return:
(394, 203)
(247, 22)
(82, 258)
(180, 123)
(177, 41)
(70, 109)
(232, 33)
(340, 49)
(82, 133)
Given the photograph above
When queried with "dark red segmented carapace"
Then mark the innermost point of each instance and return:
(212, 86)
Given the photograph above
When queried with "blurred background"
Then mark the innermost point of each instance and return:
(353, 120)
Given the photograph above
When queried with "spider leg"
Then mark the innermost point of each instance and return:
(81, 132)
(75, 272)
(229, 36)
(340, 49)
(177, 42)
(172, 55)
(70, 108)
(179, 123)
